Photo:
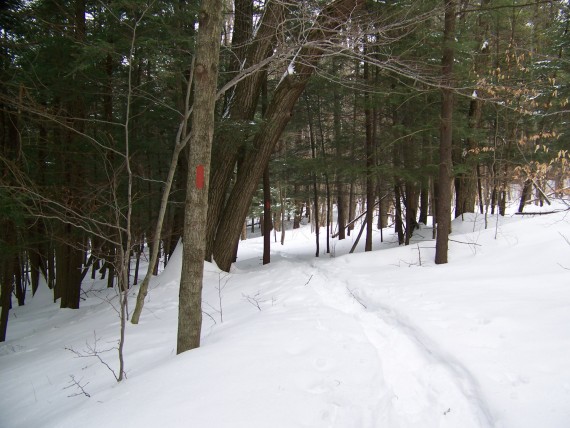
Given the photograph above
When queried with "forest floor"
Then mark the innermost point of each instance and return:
(378, 339)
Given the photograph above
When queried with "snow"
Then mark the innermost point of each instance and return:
(291, 67)
(378, 339)
(290, 70)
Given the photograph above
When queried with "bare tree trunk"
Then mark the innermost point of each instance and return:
(298, 213)
(369, 125)
(397, 163)
(340, 206)
(315, 217)
(480, 188)
(282, 202)
(351, 209)
(70, 255)
(525, 195)
(205, 77)
(398, 222)
(326, 175)
(411, 189)
(266, 228)
(6, 278)
(446, 136)
(425, 185)
(368, 112)
(182, 138)
(245, 99)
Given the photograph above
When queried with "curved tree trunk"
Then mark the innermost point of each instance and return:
(278, 115)
(242, 106)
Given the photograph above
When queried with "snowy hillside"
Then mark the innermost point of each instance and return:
(380, 339)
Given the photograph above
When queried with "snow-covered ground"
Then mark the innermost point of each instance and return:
(379, 339)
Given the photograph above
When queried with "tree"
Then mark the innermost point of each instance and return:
(194, 239)
(182, 138)
(446, 135)
(241, 110)
(289, 89)
(370, 115)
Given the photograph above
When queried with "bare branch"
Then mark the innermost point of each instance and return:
(74, 383)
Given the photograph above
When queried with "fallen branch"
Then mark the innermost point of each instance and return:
(360, 216)
(543, 212)
(355, 297)
(75, 383)
(466, 243)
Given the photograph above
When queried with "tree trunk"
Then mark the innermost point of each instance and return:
(328, 207)
(69, 260)
(525, 195)
(205, 81)
(245, 99)
(411, 200)
(411, 190)
(446, 136)
(425, 185)
(351, 209)
(398, 223)
(266, 217)
(397, 163)
(6, 298)
(340, 197)
(315, 217)
(7, 276)
(282, 202)
(369, 126)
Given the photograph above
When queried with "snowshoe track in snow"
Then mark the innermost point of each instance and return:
(428, 387)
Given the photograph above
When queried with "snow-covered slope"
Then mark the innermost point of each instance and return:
(380, 339)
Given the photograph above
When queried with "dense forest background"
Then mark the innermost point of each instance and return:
(403, 110)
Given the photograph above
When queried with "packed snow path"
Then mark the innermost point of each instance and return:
(365, 345)
(426, 386)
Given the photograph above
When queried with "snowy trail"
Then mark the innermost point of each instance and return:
(371, 340)
(428, 387)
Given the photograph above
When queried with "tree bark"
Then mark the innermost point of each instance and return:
(70, 257)
(446, 136)
(266, 217)
(411, 192)
(328, 207)
(339, 149)
(398, 223)
(315, 218)
(424, 185)
(525, 195)
(6, 276)
(194, 240)
(369, 127)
